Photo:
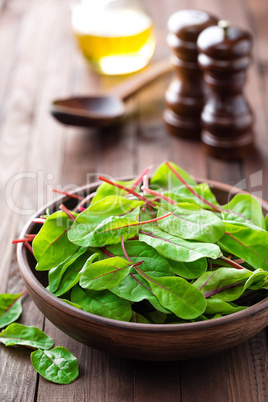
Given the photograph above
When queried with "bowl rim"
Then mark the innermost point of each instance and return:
(31, 280)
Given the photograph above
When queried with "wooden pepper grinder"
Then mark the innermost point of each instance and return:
(224, 55)
(185, 95)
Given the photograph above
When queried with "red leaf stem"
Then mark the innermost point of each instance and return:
(30, 236)
(39, 220)
(214, 207)
(78, 197)
(129, 190)
(153, 220)
(27, 245)
(84, 201)
(68, 213)
(232, 262)
(16, 241)
(151, 211)
(159, 195)
(124, 249)
(105, 251)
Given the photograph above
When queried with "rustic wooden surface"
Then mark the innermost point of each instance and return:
(39, 62)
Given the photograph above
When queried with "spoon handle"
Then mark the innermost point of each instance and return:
(132, 85)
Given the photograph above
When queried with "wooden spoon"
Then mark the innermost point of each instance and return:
(107, 108)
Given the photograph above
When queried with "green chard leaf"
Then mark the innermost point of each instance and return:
(228, 284)
(183, 194)
(191, 222)
(106, 189)
(216, 306)
(244, 208)
(155, 264)
(156, 317)
(177, 295)
(57, 365)
(178, 249)
(266, 222)
(189, 270)
(135, 289)
(51, 245)
(55, 274)
(165, 178)
(18, 334)
(73, 273)
(136, 317)
(105, 274)
(247, 243)
(10, 308)
(109, 231)
(103, 303)
(95, 214)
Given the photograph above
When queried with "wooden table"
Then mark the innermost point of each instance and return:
(39, 62)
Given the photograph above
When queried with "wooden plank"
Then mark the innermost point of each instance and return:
(247, 370)
(11, 154)
(157, 381)
(204, 379)
(108, 378)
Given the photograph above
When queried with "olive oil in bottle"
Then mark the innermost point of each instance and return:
(115, 39)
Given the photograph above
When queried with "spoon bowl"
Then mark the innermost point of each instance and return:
(106, 108)
(96, 110)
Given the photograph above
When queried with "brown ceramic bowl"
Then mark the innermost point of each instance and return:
(141, 341)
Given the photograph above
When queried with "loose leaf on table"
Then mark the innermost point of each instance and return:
(51, 245)
(245, 209)
(96, 213)
(110, 230)
(228, 284)
(177, 295)
(215, 306)
(178, 249)
(165, 178)
(191, 222)
(135, 289)
(18, 334)
(10, 308)
(103, 303)
(73, 273)
(182, 193)
(57, 365)
(105, 274)
(247, 243)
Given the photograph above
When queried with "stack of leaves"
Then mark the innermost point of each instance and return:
(168, 253)
(57, 365)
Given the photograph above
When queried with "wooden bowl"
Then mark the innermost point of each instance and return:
(141, 341)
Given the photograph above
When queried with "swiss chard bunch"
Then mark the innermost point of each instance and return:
(161, 253)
